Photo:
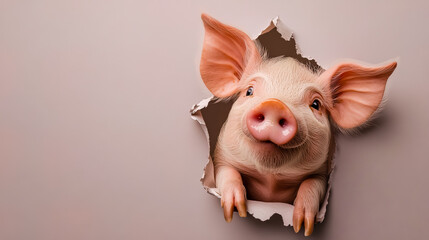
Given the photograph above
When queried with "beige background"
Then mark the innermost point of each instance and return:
(96, 140)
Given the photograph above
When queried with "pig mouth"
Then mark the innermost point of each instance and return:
(273, 156)
(268, 145)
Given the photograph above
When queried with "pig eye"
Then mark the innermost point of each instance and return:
(249, 91)
(315, 104)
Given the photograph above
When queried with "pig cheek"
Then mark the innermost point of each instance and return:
(320, 132)
(239, 112)
(237, 134)
(236, 120)
(243, 123)
(320, 115)
(319, 120)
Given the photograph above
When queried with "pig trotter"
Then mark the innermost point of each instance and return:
(307, 201)
(304, 211)
(233, 195)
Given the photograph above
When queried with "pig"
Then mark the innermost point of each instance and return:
(278, 140)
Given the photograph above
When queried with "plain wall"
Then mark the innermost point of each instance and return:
(96, 139)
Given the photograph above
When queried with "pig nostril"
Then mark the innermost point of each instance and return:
(260, 117)
(282, 122)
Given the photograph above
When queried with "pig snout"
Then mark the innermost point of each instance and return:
(272, 121)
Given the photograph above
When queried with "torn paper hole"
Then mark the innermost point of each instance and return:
(277, 40)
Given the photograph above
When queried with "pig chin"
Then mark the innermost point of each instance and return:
(274, 157)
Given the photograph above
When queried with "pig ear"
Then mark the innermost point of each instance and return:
(356, 91)
(227, 54)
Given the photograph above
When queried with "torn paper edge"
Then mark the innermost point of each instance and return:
(197, 116)
(258, 209)
(286, 33)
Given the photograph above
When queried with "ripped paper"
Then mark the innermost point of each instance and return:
(277, 40)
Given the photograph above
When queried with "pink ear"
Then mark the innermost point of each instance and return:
(227, 54)
(356, 91)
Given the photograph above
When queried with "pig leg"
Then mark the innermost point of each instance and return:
(310, 194)
(233, 193)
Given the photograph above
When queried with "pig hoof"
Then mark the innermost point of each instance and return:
(304, 211)
(233, 195)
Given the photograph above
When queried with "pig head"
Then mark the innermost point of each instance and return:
(277, 142)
